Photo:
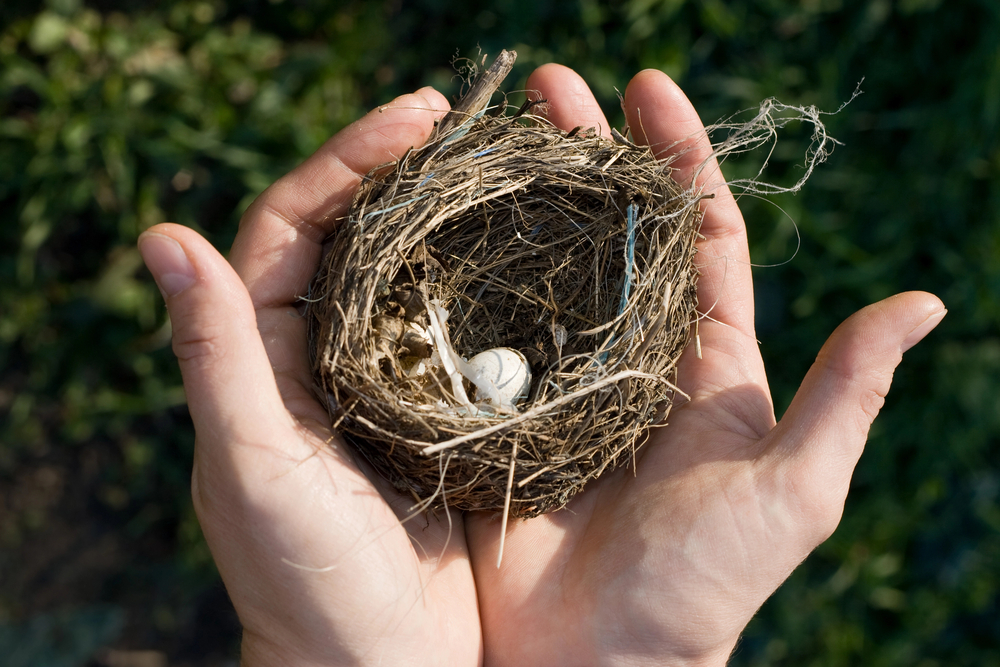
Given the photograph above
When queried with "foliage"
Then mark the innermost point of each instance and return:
(115, 115)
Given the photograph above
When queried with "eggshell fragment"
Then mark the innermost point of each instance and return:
(501, 375)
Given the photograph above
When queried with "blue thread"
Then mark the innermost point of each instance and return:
(394, 207)
(630, 215)
(630, 220)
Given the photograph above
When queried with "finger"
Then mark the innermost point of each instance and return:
(570, 102)
(661, 116)
(278, 248)
(280, 240)
(230, 388)
(823, 432)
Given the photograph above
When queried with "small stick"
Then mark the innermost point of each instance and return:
(697, 338)
(506, 504)
(479, 94)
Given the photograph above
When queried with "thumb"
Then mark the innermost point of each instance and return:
(824, 430)
(228, 380)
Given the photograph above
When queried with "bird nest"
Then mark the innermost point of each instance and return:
(567, 253)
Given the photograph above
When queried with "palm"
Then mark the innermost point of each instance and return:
(322, 562)
(332, 564)
(649, 553)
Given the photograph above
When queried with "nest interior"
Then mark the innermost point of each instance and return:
(505, 231)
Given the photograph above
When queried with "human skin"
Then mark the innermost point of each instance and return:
(663, 565)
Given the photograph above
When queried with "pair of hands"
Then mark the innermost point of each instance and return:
(664, 566)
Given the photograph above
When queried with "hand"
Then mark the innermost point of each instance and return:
(664, 566)
(315, 559)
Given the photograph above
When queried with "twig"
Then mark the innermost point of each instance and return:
(478, 96)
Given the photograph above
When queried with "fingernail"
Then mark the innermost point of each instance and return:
(922, 330)
(167, 261)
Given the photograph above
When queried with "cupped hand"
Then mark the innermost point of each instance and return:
(666, 564)
(662, 566)
(312, 551)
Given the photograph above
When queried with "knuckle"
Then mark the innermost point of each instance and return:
(871, 402)
(823, 519)
(824, 528)
(198, 345)
(827, 521)
(866, 385)
(820, 507)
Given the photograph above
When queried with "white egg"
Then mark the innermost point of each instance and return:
(501, 375)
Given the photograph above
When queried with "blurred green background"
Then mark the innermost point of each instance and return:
(117, 115)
